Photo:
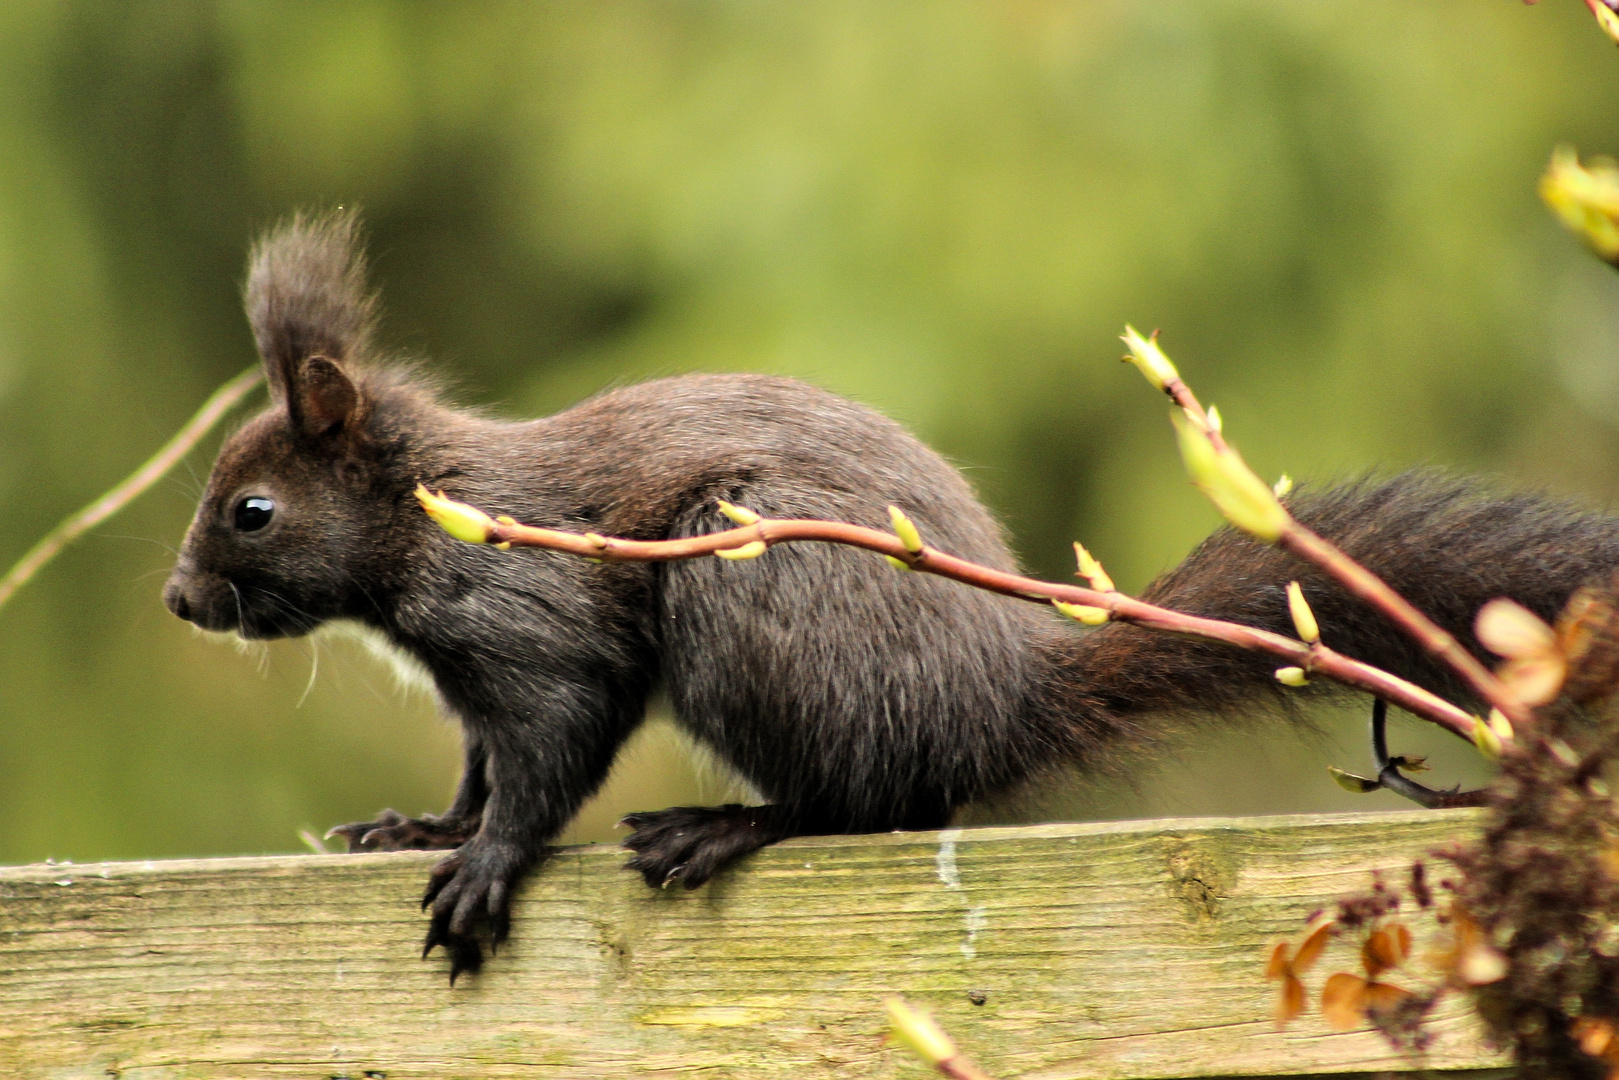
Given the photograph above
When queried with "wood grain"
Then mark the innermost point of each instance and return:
(1128, 949)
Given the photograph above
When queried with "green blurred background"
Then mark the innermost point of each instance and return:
(946, 210)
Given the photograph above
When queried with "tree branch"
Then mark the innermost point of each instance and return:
(221, 402)
(468, 523)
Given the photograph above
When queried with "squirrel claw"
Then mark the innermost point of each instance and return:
(689, 844)
(393, 831)
(432, 941)
(467, 898)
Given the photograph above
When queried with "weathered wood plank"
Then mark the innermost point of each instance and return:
(1113, 950)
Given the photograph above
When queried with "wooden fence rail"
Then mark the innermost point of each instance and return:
(1126, 950)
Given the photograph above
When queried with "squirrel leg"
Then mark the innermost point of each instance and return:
(530, 795)
(470, 888)
(393, 831)
(689, 843)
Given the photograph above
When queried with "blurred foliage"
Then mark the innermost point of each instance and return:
(946, 210)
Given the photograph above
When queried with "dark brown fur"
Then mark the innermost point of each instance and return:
(855, 698)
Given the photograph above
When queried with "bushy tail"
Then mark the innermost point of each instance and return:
(306, 294)
(1445, 545)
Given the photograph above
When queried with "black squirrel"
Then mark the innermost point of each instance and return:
(855, 698)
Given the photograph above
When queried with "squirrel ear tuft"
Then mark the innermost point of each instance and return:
(306, 298)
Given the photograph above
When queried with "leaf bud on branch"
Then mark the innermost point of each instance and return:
(1607, 17)
(1359, 785)
(1092, 571)
(905, 529)
(1586, 198)
(1486, 739)
(739, 514)
(1303, 618)
(1090, 616)
(1220, 473)
(1149, 359)
(746, 551)
(914, 1028)
(465, 523)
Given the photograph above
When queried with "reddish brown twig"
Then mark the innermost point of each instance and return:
(959, 1068)
(1316, 659)
(1282, 529)
(1430, 635)
(1150, 360)
(222, 401)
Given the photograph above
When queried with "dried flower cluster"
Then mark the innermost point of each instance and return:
(1527, 925)
(1542, 882)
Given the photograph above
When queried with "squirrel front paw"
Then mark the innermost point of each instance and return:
(393, 831)
(471, 889)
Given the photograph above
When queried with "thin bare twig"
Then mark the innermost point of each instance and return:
(1389, 775)
(77, 525)
(1317, 659)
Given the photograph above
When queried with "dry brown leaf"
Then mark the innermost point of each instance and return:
(1470, 959)
(1315, 942)
(1341, 1001)
(1279, 963)
(1387, 947)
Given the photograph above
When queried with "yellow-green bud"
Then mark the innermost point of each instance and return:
(1149, 359)
(905, 529)
(1292, 676)
(1092, 571)
(1360, 785)
(1214, 421)
(1487, 741)
(747, 551)
(739, 514)
(1303, 618)
(466, 523)
(916, 1029)
(1245, 500)
(1585, 197)
(1607, 18)
(1502, 726)
(897, 564)
(1090, 616)
(1282, 486)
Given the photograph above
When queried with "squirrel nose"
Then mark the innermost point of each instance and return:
(174, 596)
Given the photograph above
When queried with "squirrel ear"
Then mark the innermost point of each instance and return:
(307, 302)
(324, 399)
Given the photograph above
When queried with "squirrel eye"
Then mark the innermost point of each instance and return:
(254, 513)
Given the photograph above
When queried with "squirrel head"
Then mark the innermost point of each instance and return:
(283, 534)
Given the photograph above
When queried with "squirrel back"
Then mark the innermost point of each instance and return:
(852, 696)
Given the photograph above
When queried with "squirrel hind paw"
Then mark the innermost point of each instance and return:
(689, 844)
